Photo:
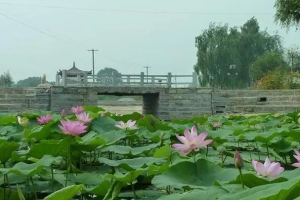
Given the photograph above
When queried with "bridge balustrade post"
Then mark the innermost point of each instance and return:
(142, 78)
(169, 80)
(128, 79)
(153, 80)
(57, 81)
(195, 79)
(85, 79)
(114, 78)
(64, 78)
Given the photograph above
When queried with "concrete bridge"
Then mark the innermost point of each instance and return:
(76, 77)
(163, 102)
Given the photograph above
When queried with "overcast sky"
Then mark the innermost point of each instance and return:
(129, 34)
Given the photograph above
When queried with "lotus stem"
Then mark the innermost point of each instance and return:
(33, 188)
(69, 163)
(257, 150)
(52, 179)
(133, 190)
(206, 151)
(285, 159)
(267, 149)
(241, 175)
(224, 158)
(6, 182)
(222, 162)
(249, 150)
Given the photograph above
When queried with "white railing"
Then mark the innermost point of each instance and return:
(168, 80)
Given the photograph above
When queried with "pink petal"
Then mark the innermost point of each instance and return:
(297, 164)
(182, 139)
(260, 169)
(132, 123)
(297, 157)
(188, 135)
(187, 151)
(119, 126)
(183, 149)
(274, 170)
(254, 163)
(202, 136)
(194, 131)
(297, 152)
(267, 163)
(205, 143)
(180, 147)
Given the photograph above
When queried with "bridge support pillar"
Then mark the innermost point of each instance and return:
(150, 104)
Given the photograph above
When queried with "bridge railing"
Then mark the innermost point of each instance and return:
(168, 80)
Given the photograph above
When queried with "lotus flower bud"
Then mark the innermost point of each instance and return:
(63, 112)
(238, 160)
(23, 121)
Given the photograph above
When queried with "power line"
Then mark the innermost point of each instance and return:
(37, 29)
(29, 26)
(136, 11)
(60, 39)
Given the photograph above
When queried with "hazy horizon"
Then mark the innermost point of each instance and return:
(42, 38)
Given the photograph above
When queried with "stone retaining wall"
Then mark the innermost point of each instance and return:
(165, 103)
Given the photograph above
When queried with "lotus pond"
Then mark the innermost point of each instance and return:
(95, 155)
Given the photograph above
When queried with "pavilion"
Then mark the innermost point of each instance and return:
(72, 75)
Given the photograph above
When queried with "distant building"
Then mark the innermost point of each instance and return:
(74, 75)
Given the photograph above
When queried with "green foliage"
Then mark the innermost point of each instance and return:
(269, 61)
(287, 12)
(65, 193)
(40, 162)
(195, 175)
(6, 80)
(293, 58)
(221, 46)
(109, 75)
(273, 80)
(29, 82)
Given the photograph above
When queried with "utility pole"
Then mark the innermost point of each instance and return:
(147, 67)
(93, 52)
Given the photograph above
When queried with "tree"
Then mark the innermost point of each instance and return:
(6, 80)
(29, 82)
(269, 61)
(274, 80)
(225, 53)
(109, 76)
(293, 58)
(287, 12)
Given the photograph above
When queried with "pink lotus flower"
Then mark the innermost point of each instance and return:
(191, 141)
(74, 128)
(77, 109)
(297, 156)
(84, 117)
(63, 112)
(129, 125)
(268, 169)
(217, 124)
(44, 119)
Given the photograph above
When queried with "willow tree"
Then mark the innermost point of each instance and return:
(225, 53)
(287, 12)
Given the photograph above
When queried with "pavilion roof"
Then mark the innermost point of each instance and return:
(74, 71)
